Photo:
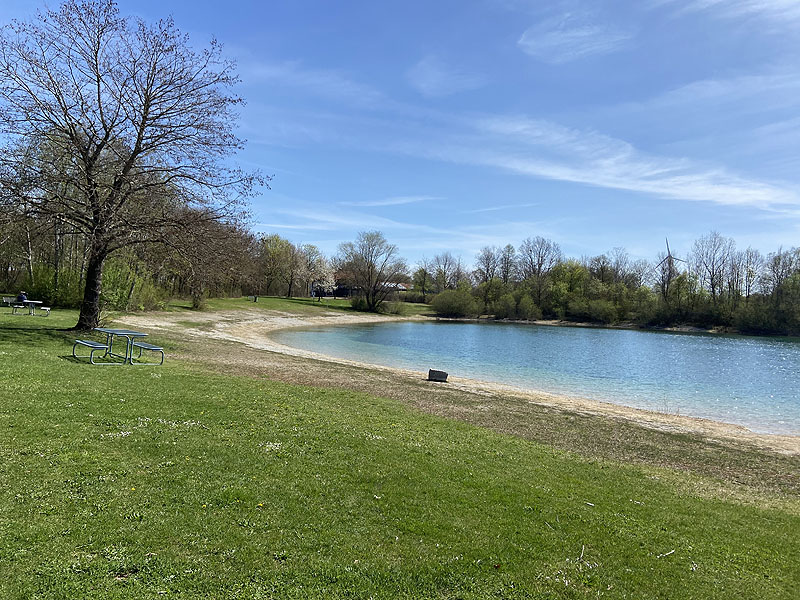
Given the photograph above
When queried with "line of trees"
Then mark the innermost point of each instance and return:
(714, 285)
(116, 191)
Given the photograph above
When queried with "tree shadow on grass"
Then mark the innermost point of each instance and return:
(84, 360)
(29, 335)
(74, 359)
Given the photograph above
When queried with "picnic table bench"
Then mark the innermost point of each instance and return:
(145, 346)
(94, 347)
(131, 344)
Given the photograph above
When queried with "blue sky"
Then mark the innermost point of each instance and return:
(451, 125)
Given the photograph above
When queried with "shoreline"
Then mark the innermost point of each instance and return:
(254, 328)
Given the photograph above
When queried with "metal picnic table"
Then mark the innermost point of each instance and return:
(31, 304)
(130, 337)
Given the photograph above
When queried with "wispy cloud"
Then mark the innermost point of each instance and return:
(776, 88)
(571, 37)
(785, 12)
(327, 83)
(503, 207)
(393, 201)
(728, 116)
(432, 77)
(545, 149)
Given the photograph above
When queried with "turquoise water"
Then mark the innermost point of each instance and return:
(750, 381)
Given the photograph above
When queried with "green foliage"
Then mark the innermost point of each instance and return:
(127, 286)
(359, 303)
(505, 307)
(414, 297)
(455, 303)
(489, 292)
(393, 307)
(602, 311)
(527, 309)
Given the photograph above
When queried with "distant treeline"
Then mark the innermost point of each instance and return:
(714, 285)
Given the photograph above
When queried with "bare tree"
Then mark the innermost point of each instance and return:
(373, 263)
(487, 264)
(753, 266)
(114, 124)
(537, 257)
(447, 271)
(778, 267)
(620, 264)
(422, 277)
(508, 264)
(601, 268)
(637, 273)
(711, 255)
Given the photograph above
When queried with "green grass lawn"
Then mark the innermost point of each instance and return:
(300, 306)
(139, 482)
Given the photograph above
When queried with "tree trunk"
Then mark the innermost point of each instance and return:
(29, 255)
(89, 316)
(133, 285)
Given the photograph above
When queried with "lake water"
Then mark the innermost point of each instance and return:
(751, 381)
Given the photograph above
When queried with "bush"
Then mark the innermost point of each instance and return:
(505, 307)
(393, 308)
(455, 303)
(415, 297)
(578, 309)
(527, 309)
(359, 303)
(602, 311)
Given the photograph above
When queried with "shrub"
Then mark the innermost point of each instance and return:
(602, 311)
(358, 303)
(455, 303)
(505, 307)
(393, 308)
(527, 309)
(415, 297)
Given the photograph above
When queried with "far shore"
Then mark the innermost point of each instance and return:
(626, 326)
(253, 328)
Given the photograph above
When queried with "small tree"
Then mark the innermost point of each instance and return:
(373, 263)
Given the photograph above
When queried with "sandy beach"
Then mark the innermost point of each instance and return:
(252, 328)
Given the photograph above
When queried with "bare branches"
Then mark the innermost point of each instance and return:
(373, 263)
(116, 125)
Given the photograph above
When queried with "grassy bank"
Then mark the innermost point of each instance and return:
(180, 481)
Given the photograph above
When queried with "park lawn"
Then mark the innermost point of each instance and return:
(174, 481)
(300, 306)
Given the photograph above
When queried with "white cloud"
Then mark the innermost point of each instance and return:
(571, 37)
(548, 150)
(393, 201)
(432, 78)
(503, 207)
(779, 12)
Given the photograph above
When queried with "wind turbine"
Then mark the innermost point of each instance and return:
(669, 258)
(671, 271)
